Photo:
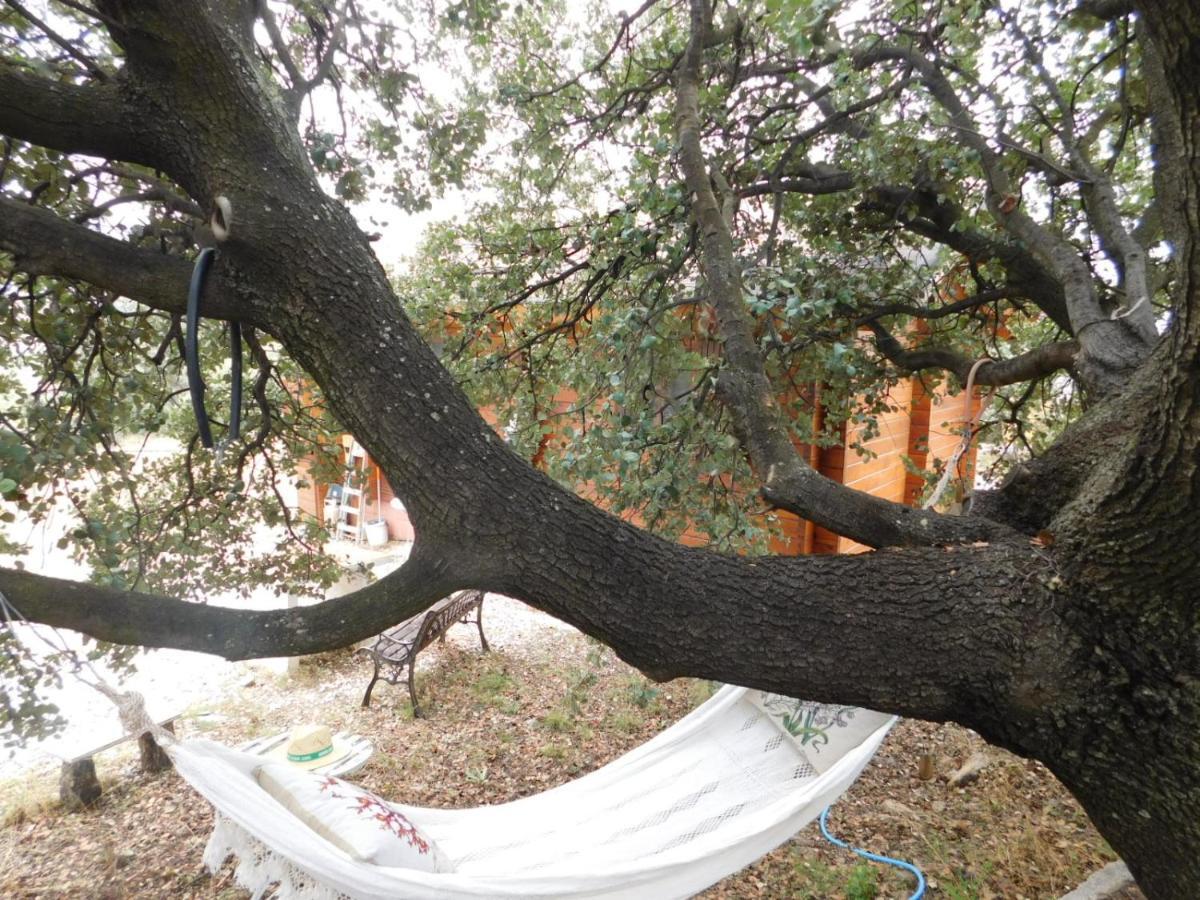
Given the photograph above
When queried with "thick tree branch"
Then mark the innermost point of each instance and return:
(129, 617)
(830, 183)
(923, 210)
(934, 312)
(94, 120)
(65, 45)
(1110, 348)
(1169, 153)
(41, 243)
(1154, 485)
(1028, 366)
(1100, 200)
(295, 76)
(1106, 10)
(788, 482)
(691, 612)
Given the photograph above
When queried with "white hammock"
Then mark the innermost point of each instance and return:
(704, 798)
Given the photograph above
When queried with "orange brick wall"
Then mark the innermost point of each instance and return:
(878, 467)
(925, 426)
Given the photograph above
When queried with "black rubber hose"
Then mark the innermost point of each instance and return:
(191, 345)
(235, 389)
(191, 349)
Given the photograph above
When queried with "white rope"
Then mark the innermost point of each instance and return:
(1120, 313)
(131, 706)
(221, 221)
(951, 469)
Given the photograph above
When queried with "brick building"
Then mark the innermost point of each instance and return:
(924, 426)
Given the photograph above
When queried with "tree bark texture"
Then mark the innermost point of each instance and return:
(1081, 649)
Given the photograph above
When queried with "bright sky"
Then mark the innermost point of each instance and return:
(400, 232)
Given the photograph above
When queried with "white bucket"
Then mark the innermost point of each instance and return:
(377, 533)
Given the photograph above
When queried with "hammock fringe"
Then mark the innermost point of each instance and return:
(259, 868)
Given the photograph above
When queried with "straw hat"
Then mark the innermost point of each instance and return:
(310, 747)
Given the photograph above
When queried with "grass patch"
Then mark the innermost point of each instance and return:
(820, 880)
(26, 798)
(557, 720)
(642, 692)
(624, 722)
(494, 689)
(863, 883)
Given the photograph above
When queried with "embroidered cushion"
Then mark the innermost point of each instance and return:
(359, 823)
(822, 732)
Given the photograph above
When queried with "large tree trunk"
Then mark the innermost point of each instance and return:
(1137, 775)
(1083, 653)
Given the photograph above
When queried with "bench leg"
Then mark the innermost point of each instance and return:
(412, 689)
(370, 687)
(78, 785)
(479, 621)
(154, 757)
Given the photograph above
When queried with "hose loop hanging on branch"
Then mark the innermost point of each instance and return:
(191, 348)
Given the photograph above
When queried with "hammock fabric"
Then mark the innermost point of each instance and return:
(699, 801)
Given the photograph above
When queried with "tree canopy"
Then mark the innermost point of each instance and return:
(685, 214)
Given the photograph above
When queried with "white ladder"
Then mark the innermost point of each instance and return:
(352, 519)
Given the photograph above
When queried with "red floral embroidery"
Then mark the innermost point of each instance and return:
(366, 804)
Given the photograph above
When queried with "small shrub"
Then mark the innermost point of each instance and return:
(477, 774)
(557, 720)
(490, 688)
(964, 885)
(821, 880)
(491, 683)
(863, 883)
(642, 693)
(624, 722)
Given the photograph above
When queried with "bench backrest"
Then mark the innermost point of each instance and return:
(443, 614)
(413, 635)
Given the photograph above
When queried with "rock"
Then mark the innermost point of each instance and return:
(78, 785)
(153, 757)
(896, 808)
(970, 770)
(1108, 884)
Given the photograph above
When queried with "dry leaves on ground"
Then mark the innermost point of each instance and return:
(546, 706)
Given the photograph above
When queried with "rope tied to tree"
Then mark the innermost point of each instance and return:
(969, 417)
(131, 705)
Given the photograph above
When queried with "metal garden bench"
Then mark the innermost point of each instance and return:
(396, 649)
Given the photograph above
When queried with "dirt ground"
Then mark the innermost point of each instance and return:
(545, 706)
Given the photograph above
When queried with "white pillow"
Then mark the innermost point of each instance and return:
(359, 823)
(823, 733)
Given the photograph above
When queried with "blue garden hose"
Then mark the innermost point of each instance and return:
(875, 857)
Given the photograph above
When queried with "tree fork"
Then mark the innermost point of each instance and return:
(1008, 633)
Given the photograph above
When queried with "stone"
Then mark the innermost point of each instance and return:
(896, 808)
(970, 770)
(154, 757)
(78, 785)
(1110, 883)
(926, 768)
